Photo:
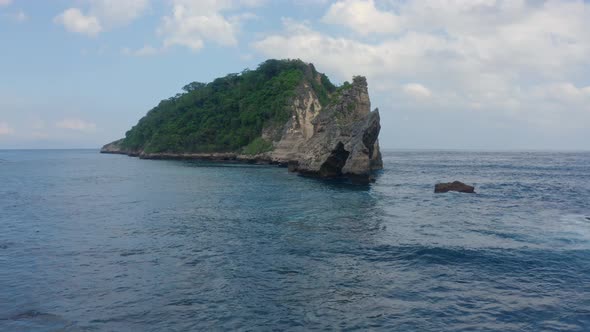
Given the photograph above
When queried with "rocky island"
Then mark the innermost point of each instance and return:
(284, 112)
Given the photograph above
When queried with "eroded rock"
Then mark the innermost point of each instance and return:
(341, 140)
(454, 186)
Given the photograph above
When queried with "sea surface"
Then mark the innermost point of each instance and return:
(92, 242)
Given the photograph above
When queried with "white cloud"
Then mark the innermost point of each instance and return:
(564, 92)
(251, 3)
(185, 29)
(75, 21)
(20, 16)
(497, 56)
(76, 124)
(346, 56)
(5, 129)
(308, 3)
(417, 91)
(362, 16)
(5, 2)
(192, 22)
(102, 15)
(118, 12)
(146, 50)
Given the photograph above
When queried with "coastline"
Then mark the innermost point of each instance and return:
(232, 157)
(211, 156)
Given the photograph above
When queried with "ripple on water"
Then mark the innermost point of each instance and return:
(33, 320)
(177, 246)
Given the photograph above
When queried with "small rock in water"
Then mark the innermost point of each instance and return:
(454, 186)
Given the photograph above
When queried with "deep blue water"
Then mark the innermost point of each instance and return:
(92, 242)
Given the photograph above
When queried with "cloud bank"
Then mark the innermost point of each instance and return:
(192, 23)
(500, 56)
(517, 64)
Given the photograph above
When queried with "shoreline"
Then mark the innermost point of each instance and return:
(231, 157)
(214, 156)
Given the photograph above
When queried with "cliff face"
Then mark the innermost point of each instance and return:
(338, 139)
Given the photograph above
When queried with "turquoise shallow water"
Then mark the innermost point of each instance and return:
(92, 242)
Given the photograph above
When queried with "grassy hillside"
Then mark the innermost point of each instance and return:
(227, 114)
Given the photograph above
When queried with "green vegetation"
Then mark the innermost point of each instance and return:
(323, 89)
(227, 114)
(258, 145)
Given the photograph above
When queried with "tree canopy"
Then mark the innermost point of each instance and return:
(228, 113)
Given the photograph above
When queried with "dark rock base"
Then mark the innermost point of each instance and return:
(454, 186)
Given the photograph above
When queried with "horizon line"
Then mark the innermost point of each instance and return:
(382, 149)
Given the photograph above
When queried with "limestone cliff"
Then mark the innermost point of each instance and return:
(340, 139)
(333, 138)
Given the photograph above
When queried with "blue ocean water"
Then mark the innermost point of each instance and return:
(92, 242)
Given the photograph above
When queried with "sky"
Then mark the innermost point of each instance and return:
(445, 74)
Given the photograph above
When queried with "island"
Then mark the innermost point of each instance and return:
(284, 112)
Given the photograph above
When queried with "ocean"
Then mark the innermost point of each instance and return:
(92, 242)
